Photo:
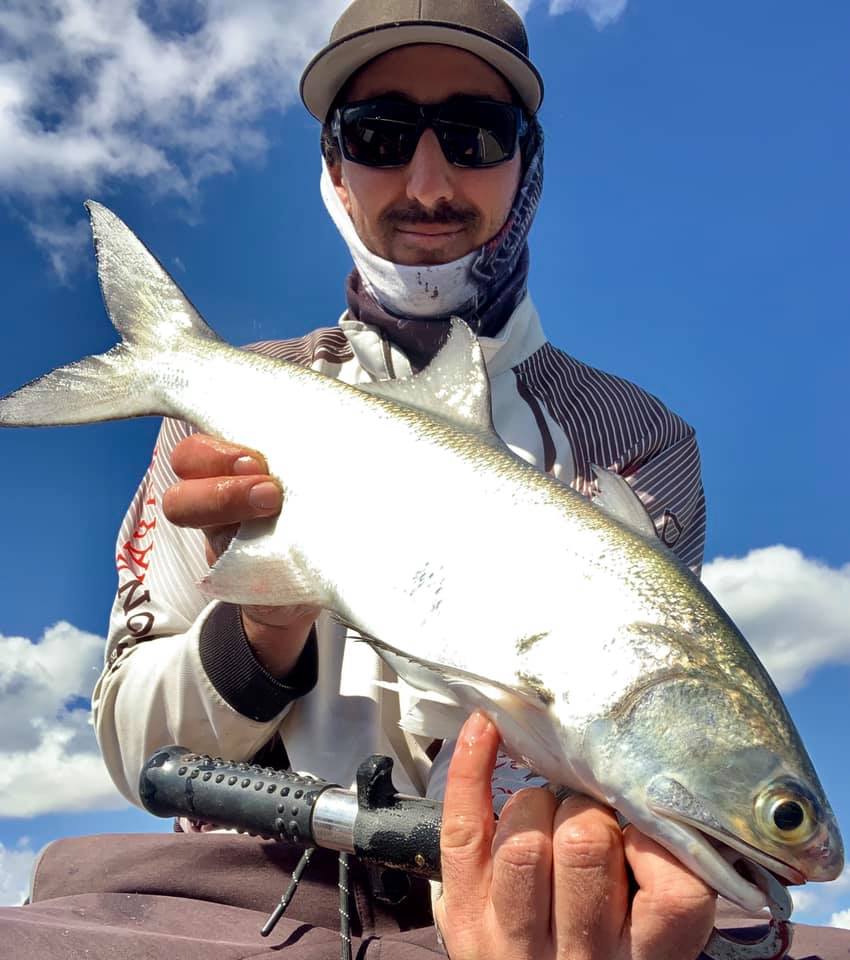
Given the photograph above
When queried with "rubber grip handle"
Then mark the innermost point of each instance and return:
(258, 800)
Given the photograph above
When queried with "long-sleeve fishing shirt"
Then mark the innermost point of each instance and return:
(179, 669)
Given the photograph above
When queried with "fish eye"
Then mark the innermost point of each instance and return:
(786, 813)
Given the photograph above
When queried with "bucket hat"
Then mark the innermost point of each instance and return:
(490, 29)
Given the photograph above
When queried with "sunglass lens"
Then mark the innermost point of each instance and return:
(477, 133)
(378, 137)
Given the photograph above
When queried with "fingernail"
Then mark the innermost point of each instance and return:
(264, 496)
(475, 727)
(246, 465)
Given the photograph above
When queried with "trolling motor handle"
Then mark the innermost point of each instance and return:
(376, 823)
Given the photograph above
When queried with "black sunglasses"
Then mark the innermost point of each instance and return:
(472, 132)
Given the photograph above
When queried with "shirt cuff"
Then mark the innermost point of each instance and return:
(240, 679)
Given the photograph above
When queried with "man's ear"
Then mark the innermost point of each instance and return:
(338, 180)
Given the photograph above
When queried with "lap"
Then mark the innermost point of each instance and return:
(190, 896)
(187, 896)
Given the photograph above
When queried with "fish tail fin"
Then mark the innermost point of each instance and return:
(96, 388)
(142, 300)
(153, 316)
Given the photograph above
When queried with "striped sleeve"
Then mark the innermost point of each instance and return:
(613, 423)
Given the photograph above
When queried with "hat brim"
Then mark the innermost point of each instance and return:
(332, 66)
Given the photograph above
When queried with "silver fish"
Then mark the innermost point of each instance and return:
(605, 663)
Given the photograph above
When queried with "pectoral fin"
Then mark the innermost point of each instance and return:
(667, 796)
(619, 501)
(260, 568)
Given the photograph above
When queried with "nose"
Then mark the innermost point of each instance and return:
(430, 176)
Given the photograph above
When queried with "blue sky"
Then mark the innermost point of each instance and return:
(693, 236)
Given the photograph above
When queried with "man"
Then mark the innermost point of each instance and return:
(432, 172)
(404, 201)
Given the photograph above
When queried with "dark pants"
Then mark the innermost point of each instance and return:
(206, 896)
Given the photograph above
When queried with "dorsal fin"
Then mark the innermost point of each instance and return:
(619, 501)
(454, 385)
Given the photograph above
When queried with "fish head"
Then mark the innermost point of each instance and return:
(720, 779)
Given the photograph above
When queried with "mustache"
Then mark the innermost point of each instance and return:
(415, 214)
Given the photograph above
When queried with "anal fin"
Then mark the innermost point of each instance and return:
(437, 720)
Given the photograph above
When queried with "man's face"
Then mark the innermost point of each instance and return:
(429, 211)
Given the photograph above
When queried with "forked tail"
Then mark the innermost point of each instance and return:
(153, 316)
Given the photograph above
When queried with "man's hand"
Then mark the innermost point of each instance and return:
(550, 881)
(221, 485)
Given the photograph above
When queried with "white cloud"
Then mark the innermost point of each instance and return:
(168, 92)
(15, 869)
(97, 92)
(601, 12)
(66, 245)
(794, 610)
(820, 903)
(49, 759)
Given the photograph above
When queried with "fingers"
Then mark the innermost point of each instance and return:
(590, 885)
(537, 887)
(673, 911)
(521, 889)
(221, 501)
(467, 835)
(221, 485)
(202, 456)
(468, 825)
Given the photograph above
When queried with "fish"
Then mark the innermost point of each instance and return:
(606, 664)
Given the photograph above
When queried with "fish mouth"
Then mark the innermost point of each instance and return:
(741, 874)
(723, 841)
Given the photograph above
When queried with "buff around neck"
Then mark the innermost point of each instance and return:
(427, 291)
